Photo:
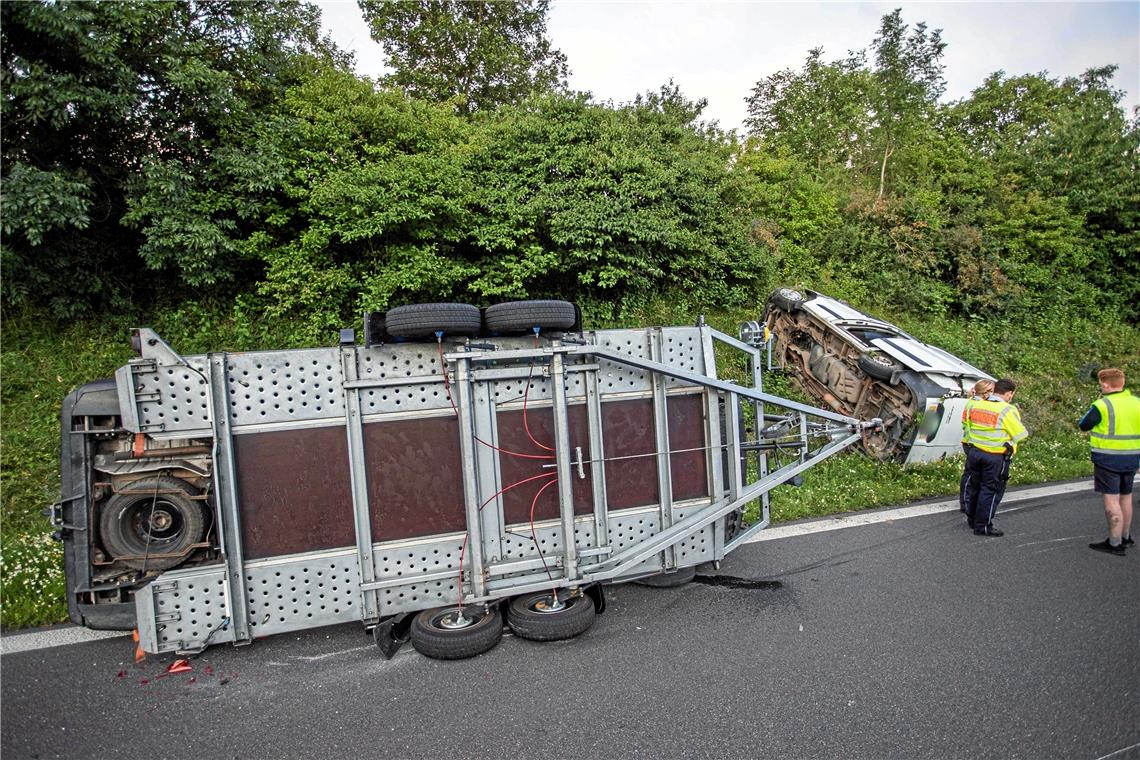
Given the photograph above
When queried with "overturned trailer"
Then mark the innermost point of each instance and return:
(455, 468)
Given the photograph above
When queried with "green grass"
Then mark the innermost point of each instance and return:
(42, 361)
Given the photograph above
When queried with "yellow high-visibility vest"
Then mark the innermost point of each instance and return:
(1118, 431)
(989, 425)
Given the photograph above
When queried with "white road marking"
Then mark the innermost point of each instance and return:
(57, 637)
(1119, 751)
(856, 519)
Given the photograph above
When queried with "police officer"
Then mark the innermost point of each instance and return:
(979, 392)
(993, 429)
(1113, 422)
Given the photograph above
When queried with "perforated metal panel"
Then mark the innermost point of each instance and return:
(413, 559)
(302, 592)
(285, 386)
(188, 609)
(172, 398)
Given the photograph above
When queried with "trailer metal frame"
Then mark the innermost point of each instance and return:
(608, 399)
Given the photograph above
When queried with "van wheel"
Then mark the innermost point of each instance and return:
(445, 633)
(152, 523)
(788, 299)
(878, 366)
(424, 320)
(543, 617)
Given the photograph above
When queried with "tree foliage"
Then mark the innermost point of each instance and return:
(110, 111)
(478, 55)
(225, 151)
(1020, 200)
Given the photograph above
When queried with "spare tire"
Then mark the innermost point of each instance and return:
(151, 524)
(424, 320)
(526, 316)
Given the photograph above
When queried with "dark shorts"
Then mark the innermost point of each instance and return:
(1112, 482)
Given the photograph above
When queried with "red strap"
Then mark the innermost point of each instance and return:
(139, 446)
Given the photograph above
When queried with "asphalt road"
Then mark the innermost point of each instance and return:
(904, 639)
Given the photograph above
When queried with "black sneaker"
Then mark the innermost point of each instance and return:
(1107, 548)
(988, 531)
(1127, 541)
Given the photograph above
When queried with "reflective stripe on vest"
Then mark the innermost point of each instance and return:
(983, 425)
(1118, 431)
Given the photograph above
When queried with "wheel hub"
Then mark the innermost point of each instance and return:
(454, 621)
(161, 521)
(548, 604)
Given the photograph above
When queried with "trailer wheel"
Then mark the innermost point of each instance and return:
(540, 617)
(678, 577)
(787, 299)
(152, 516)
(424, 320)
(524, 316)
(444, 634)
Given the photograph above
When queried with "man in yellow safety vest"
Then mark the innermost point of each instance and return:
(1113, 424)
(992, 428)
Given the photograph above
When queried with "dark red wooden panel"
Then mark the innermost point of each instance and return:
(687, 431)
(415, 478)
(627, 429)
(294, 490)
(513, 438)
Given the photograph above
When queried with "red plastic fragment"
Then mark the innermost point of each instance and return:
(179, 666)
(121, 674)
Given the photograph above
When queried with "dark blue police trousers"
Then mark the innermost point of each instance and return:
(985, 478)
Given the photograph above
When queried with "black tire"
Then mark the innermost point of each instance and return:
(432, 637)
(878, 366)
(524, 316)
(530, 617)
(788, 299)
(424, 320)
(678, 577)
(152, 516)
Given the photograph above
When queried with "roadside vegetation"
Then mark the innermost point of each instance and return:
(219, 174)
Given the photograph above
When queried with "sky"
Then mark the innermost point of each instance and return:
(719, 50)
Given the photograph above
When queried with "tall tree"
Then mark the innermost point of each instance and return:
(483, 54)
(907, 84)
(818, 113)
(105, 103)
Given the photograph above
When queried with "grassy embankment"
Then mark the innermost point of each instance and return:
(42, 362)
